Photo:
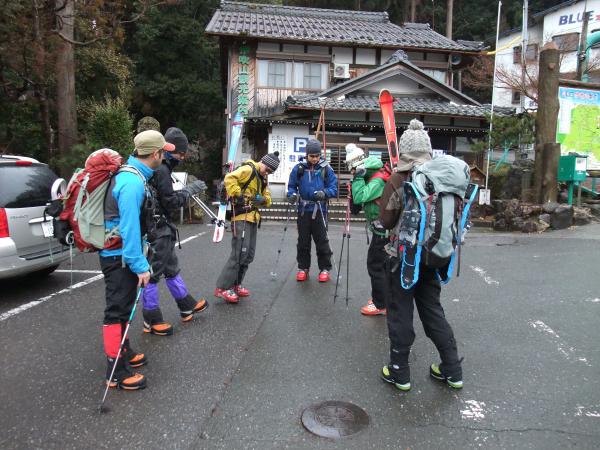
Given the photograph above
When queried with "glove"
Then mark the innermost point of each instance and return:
(360, 172)
(293, 199)
(319, 195)
(259, 200)
(194, 188)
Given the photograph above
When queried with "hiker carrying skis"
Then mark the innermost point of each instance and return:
(310, 185)
(415, 149)
(129, 208)
(163, 239)
(247, 188)
(370, 176)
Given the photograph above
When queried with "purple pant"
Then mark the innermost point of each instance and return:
(176, 286)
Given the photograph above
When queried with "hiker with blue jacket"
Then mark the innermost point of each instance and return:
(129, 208)
(311, 184)
(415, 149)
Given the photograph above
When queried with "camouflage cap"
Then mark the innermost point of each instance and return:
(148, 123)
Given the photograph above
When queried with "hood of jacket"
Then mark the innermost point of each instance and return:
(408, 161)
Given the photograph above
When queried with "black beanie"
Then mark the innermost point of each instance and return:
(176, 137)
(271, 160)
(313, 146)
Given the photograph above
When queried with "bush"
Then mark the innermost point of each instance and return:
(109, 125)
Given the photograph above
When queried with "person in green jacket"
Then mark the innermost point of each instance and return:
(370, 175)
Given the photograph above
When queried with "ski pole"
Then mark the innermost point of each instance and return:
(327, 234)
(135, 303)
(337, 279)
(287, 221)
(347, 248)
(239, 261)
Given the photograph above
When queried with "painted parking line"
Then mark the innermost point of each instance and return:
(77, 271)
(483, 274)
(565, 349)
(26, 306)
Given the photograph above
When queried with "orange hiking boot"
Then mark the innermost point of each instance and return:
(123, 377)
(159, 329)
(371, 310)
(241, 291)
(188, 306)
(135, 359)
(324, 276)
(227, 294)
(302, 275)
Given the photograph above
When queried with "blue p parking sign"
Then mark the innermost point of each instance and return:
(300, 144)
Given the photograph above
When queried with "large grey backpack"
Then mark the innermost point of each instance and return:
(437, 200)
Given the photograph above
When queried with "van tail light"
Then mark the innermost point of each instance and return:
(3, 224)
(21, 162)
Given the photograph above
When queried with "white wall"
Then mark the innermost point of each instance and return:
(285, 139)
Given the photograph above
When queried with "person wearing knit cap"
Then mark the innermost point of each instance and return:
(311, 184)
(163, 238)
(247, 188)
(415, 149)
(148, 123)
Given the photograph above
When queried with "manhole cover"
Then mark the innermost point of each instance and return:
(333, 419)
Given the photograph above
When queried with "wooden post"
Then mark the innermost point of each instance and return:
(547, 114)
(550, 157)
(449, 18)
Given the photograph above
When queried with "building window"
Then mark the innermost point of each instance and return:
(516, 97)
(567, 42)
(517, 55)
(531, 54)
(312, 76)
(276, 74)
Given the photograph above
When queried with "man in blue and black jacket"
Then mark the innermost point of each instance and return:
(129, 208)
(311, 184)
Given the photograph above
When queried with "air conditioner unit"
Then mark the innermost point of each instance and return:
(341, 71)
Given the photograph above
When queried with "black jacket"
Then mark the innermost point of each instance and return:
(170, 201)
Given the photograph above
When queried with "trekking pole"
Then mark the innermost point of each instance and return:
(137, 299)
(347, 225)
(287, 221)
(337, 272)
(239, 260)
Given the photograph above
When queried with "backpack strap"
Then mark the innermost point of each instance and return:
(411, 254)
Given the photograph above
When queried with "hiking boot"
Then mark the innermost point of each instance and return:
(155, 324)
(437, 373)
(241, 291)
(371, 310)
(188, 306)
(227, 294)
(388, 377)
(324, 276)
(123, 378)
(134, 358)
(302, 275)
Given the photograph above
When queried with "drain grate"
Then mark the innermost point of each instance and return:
(334, 419)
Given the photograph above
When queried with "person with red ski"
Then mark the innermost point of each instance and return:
(370, 175)
(129, 208)
(247, 188)
(415, 149)
(310, 185)
(163, 239)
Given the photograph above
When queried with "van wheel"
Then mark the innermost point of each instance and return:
(47, 271)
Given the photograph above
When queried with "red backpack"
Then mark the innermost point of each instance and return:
(83, 204)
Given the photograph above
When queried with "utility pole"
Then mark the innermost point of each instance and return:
(581, 54)
(413, 10)
(449, 18)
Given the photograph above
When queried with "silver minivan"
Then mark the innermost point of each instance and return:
(26, 235)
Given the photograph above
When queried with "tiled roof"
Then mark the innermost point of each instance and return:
(401, 105)
(329, 26)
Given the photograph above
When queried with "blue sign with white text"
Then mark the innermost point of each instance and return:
(300, 144)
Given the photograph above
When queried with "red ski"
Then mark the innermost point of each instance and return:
(386, 102)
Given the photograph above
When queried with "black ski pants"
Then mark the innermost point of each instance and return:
(376, 257)
(162, 253)
(309, 227)
(400, 305)
(121, 289)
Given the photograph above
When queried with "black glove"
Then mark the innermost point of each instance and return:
(259, 200)
(293, 199)
(360, 172)
(194, 188)
(319, 196)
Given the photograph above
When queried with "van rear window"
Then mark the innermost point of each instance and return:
(25, 186)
